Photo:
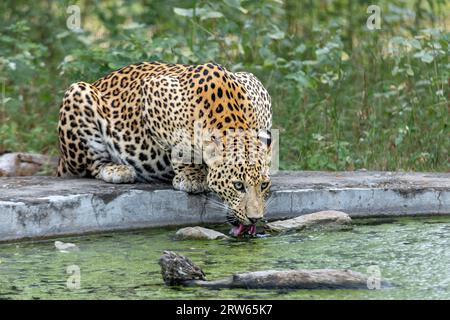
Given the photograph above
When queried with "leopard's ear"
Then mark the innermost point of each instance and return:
(266, 137)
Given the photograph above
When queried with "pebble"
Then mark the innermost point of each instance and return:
(66, 247)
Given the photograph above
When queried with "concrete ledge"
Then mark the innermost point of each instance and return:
(45, 206)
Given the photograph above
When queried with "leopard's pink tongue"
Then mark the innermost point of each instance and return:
(237, 230)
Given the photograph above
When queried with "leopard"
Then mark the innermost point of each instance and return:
(201, 127)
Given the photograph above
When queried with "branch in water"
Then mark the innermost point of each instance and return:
(179, 270)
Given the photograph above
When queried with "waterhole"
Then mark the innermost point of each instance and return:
(412, 254)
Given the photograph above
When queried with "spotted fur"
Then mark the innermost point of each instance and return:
(125, 127)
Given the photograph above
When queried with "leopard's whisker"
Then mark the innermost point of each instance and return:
(214, 202)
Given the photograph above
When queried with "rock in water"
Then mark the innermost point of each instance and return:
(177, 269)
(329, 219)
(65, 247)
(198, 233)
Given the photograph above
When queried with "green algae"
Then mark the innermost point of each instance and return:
(411, 254)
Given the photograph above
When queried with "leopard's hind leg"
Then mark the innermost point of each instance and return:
(81, 127)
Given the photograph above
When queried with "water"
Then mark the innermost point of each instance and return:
(412, 254)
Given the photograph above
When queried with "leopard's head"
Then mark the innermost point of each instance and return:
(238, 172)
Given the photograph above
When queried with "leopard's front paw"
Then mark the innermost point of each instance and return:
(189, 184)
(117, 173)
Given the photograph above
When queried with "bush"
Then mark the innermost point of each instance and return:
(344, 97)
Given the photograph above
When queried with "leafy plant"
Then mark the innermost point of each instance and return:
(344, 97)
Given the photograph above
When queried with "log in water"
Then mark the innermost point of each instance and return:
(179, 270)
(292, 279)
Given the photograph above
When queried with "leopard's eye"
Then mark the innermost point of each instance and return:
(264, 185)
(239, 186)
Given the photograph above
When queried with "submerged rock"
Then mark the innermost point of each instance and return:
(179, 270)
(199, 233)
(66, 247)
(175, 269)
(329, 219)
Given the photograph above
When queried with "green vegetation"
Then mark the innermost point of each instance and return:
(344, 97)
